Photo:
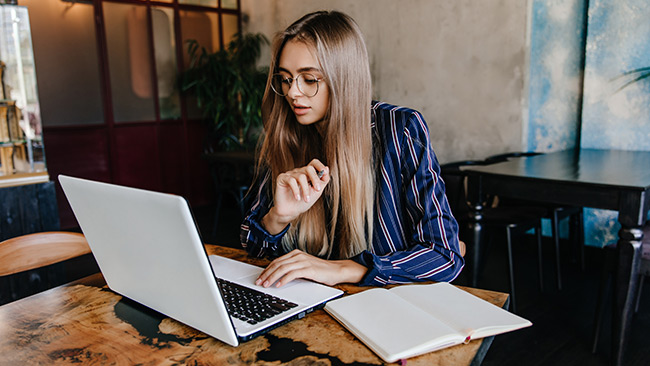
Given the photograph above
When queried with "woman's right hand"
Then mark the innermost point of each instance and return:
(295, 192)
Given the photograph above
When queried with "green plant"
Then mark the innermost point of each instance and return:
(228, 86)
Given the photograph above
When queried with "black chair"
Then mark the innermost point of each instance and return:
(232, 173)
(515, 221)
(609, 267)
(554, 213)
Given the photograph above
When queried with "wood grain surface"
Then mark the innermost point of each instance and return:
(86, 323)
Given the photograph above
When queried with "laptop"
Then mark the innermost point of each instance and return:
(149, 250)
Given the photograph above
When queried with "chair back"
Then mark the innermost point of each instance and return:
(37, 262)
(28, 209)
(38, 250)
(455, 181)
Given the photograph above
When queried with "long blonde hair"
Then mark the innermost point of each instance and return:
(340, 224)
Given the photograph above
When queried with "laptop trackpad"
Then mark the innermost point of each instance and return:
(239, 272)
(231, 269)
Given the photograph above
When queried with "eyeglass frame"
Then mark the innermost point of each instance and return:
(292, 79)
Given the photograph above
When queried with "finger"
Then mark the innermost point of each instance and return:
(266, 272)
(305, 187)
(293, 185)
(320, 168)
(284, 180)
(317, 164)
(280, 272)
(325, 178)
(301, 272)
(315, 177)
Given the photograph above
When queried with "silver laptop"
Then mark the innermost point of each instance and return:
(148, 248)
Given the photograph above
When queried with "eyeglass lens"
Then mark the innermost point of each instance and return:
(307, 84)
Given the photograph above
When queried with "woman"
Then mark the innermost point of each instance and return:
(350, 189)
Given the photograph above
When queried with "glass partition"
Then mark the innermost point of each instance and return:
(164, 45)
(22, 159)
(204, 28)
(210, 3)
(229, 4)
(131, 76)
(65, 45)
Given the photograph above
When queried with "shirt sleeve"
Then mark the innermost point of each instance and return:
(255, 239)
(430, 249)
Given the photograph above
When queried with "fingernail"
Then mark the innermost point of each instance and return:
(307, 198)
(266, 284)
(298, 197)
(258, 281)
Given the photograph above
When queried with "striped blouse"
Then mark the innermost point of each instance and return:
(415, 235)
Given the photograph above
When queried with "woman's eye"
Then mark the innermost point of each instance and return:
(311, 80)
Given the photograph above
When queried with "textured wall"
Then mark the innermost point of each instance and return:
(618, 41)
(461, 63)
(556, 61)
(557, 39)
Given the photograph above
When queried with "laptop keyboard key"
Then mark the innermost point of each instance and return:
(250, 305)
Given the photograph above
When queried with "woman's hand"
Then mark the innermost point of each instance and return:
(295, 192)
(298, 264)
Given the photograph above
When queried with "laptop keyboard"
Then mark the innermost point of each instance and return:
(250, 305)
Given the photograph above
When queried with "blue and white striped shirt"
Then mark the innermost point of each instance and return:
(415, 235)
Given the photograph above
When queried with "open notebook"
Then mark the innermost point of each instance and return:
(148, 248)
(411, 320)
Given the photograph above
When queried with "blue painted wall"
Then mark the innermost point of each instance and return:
(557, 39)
(617, 40)
(555, 79)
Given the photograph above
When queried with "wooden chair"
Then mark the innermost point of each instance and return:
(24, 254)
(608, 272)
(514, 221)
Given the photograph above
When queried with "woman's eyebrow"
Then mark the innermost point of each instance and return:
(309, 68)
(302, 69)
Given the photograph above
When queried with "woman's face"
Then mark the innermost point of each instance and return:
(298, 58)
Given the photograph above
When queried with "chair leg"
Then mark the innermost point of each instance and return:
(540, 266)
(511, 270)
(581, 238)
(556, 239)
(603, 295)
(476, 254)
(638, 293)
(577, 236)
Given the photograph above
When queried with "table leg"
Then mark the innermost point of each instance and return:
(625, 287)
(475, 202)
(475, 252)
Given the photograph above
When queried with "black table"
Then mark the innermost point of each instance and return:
(608, 179)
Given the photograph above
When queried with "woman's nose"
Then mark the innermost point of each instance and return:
(294, 91)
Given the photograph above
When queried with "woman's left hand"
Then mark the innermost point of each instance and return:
(298, 264)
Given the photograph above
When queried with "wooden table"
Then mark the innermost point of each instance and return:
(85, 322)
(607, 179)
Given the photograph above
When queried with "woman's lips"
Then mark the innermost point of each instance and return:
(300, 110)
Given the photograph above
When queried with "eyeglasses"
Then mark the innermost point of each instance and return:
(307, 84)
